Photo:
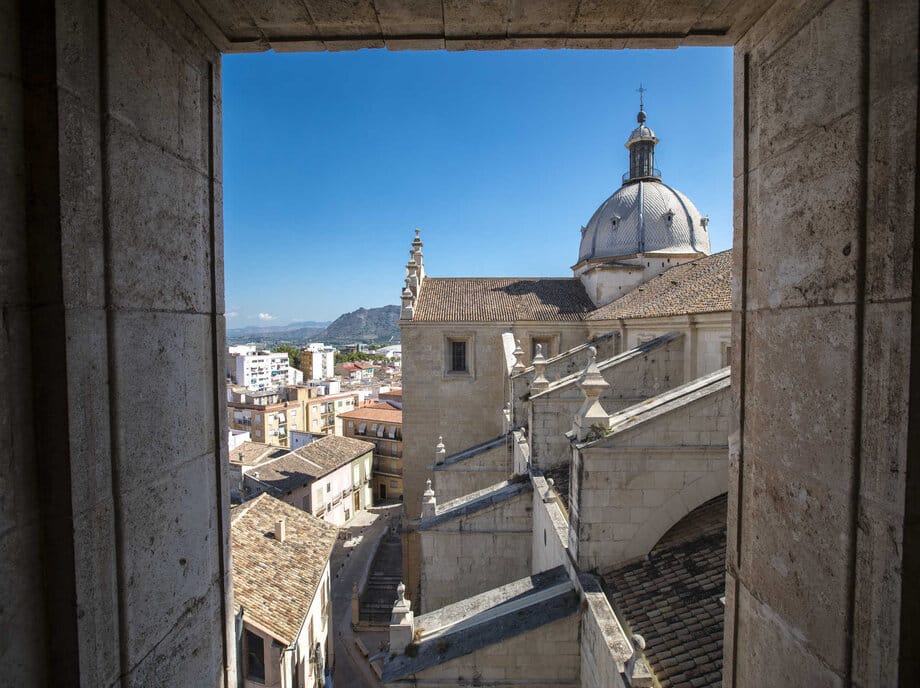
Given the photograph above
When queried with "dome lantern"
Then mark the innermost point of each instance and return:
(641, 145)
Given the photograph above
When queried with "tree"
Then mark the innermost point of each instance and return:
(293, 354)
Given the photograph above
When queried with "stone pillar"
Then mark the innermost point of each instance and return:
(429, 502)
(592, 413)
(440, 453)
(402, 622)
(518, 352)
(539, 382)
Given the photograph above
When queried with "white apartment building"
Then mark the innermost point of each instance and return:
(318, 361)
(258, 369)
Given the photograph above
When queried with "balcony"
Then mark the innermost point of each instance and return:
(656, 174)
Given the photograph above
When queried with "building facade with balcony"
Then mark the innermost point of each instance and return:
(329, 478)
(269, 415)
(380, 423)
(282, 593)
(258, 369)
(323, 412)
(317, 361)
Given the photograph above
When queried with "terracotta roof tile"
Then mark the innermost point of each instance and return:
(379, 415)
(672, 598)
(701, 286)
(501, 299)
(275, 581)
(332, 451)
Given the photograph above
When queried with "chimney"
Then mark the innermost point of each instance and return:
(280, 530)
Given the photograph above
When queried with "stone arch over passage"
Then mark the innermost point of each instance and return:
(692, 496)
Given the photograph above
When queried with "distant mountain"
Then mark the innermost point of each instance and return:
(363, 325)
(276, 329)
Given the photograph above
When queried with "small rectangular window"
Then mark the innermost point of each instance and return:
(255, 657)
(458, 357)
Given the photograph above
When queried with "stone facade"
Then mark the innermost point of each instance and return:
(455, 545)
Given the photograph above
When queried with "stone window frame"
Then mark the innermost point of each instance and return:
(468, 338)
(552, 339)
(725, 352)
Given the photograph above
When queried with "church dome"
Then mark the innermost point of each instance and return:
(644, 216)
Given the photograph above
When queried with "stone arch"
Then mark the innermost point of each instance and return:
(679, 505)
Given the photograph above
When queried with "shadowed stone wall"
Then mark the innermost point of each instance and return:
(113, 537)
(825, 218)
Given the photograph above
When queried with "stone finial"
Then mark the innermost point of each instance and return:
(408, 305)
(539, 382)
(429, 501)
(591, 413)
(417, 241)
(638, 647)
(518, 354)
(440, 453)
(402, 622)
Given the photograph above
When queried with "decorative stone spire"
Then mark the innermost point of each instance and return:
(402, 622)
(429, 501)
(591, 413)
(440, 453)
(518, 354)
(641, 145)
(417, 255)
(408, 305)
(412, 276)
(539, 366)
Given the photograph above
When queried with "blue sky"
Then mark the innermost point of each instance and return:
(332, 159)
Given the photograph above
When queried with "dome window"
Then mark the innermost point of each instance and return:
(615, 221)
(705, 222)
(670, 216)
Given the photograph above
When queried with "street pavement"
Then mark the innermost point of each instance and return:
(349, 559)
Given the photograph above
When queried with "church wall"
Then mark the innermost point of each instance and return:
(550, 530)
(631, 381)
(825, 259)
(707, 338)
(568, 362)
(465, 410)
(548, 655)
(634, 486)
(471, 554)
(473, 474)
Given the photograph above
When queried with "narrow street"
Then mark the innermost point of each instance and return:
(350, 558)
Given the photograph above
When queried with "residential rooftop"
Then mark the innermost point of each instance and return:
(275, 581)
(383, 414)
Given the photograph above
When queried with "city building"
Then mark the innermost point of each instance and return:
(317, 361)
(329, 477)
(380, 423)
(281, 588)
(323, 412)
(356, 371)
(258, 369)
(270, 414)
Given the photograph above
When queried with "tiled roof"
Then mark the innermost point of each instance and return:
(286, 473)
(252, 453)
(331, 451)
(672, 598)
(502, 299)
(275, 581)
(700, 286)
(388, 414)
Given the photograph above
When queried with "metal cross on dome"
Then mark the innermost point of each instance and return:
(641, 91)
